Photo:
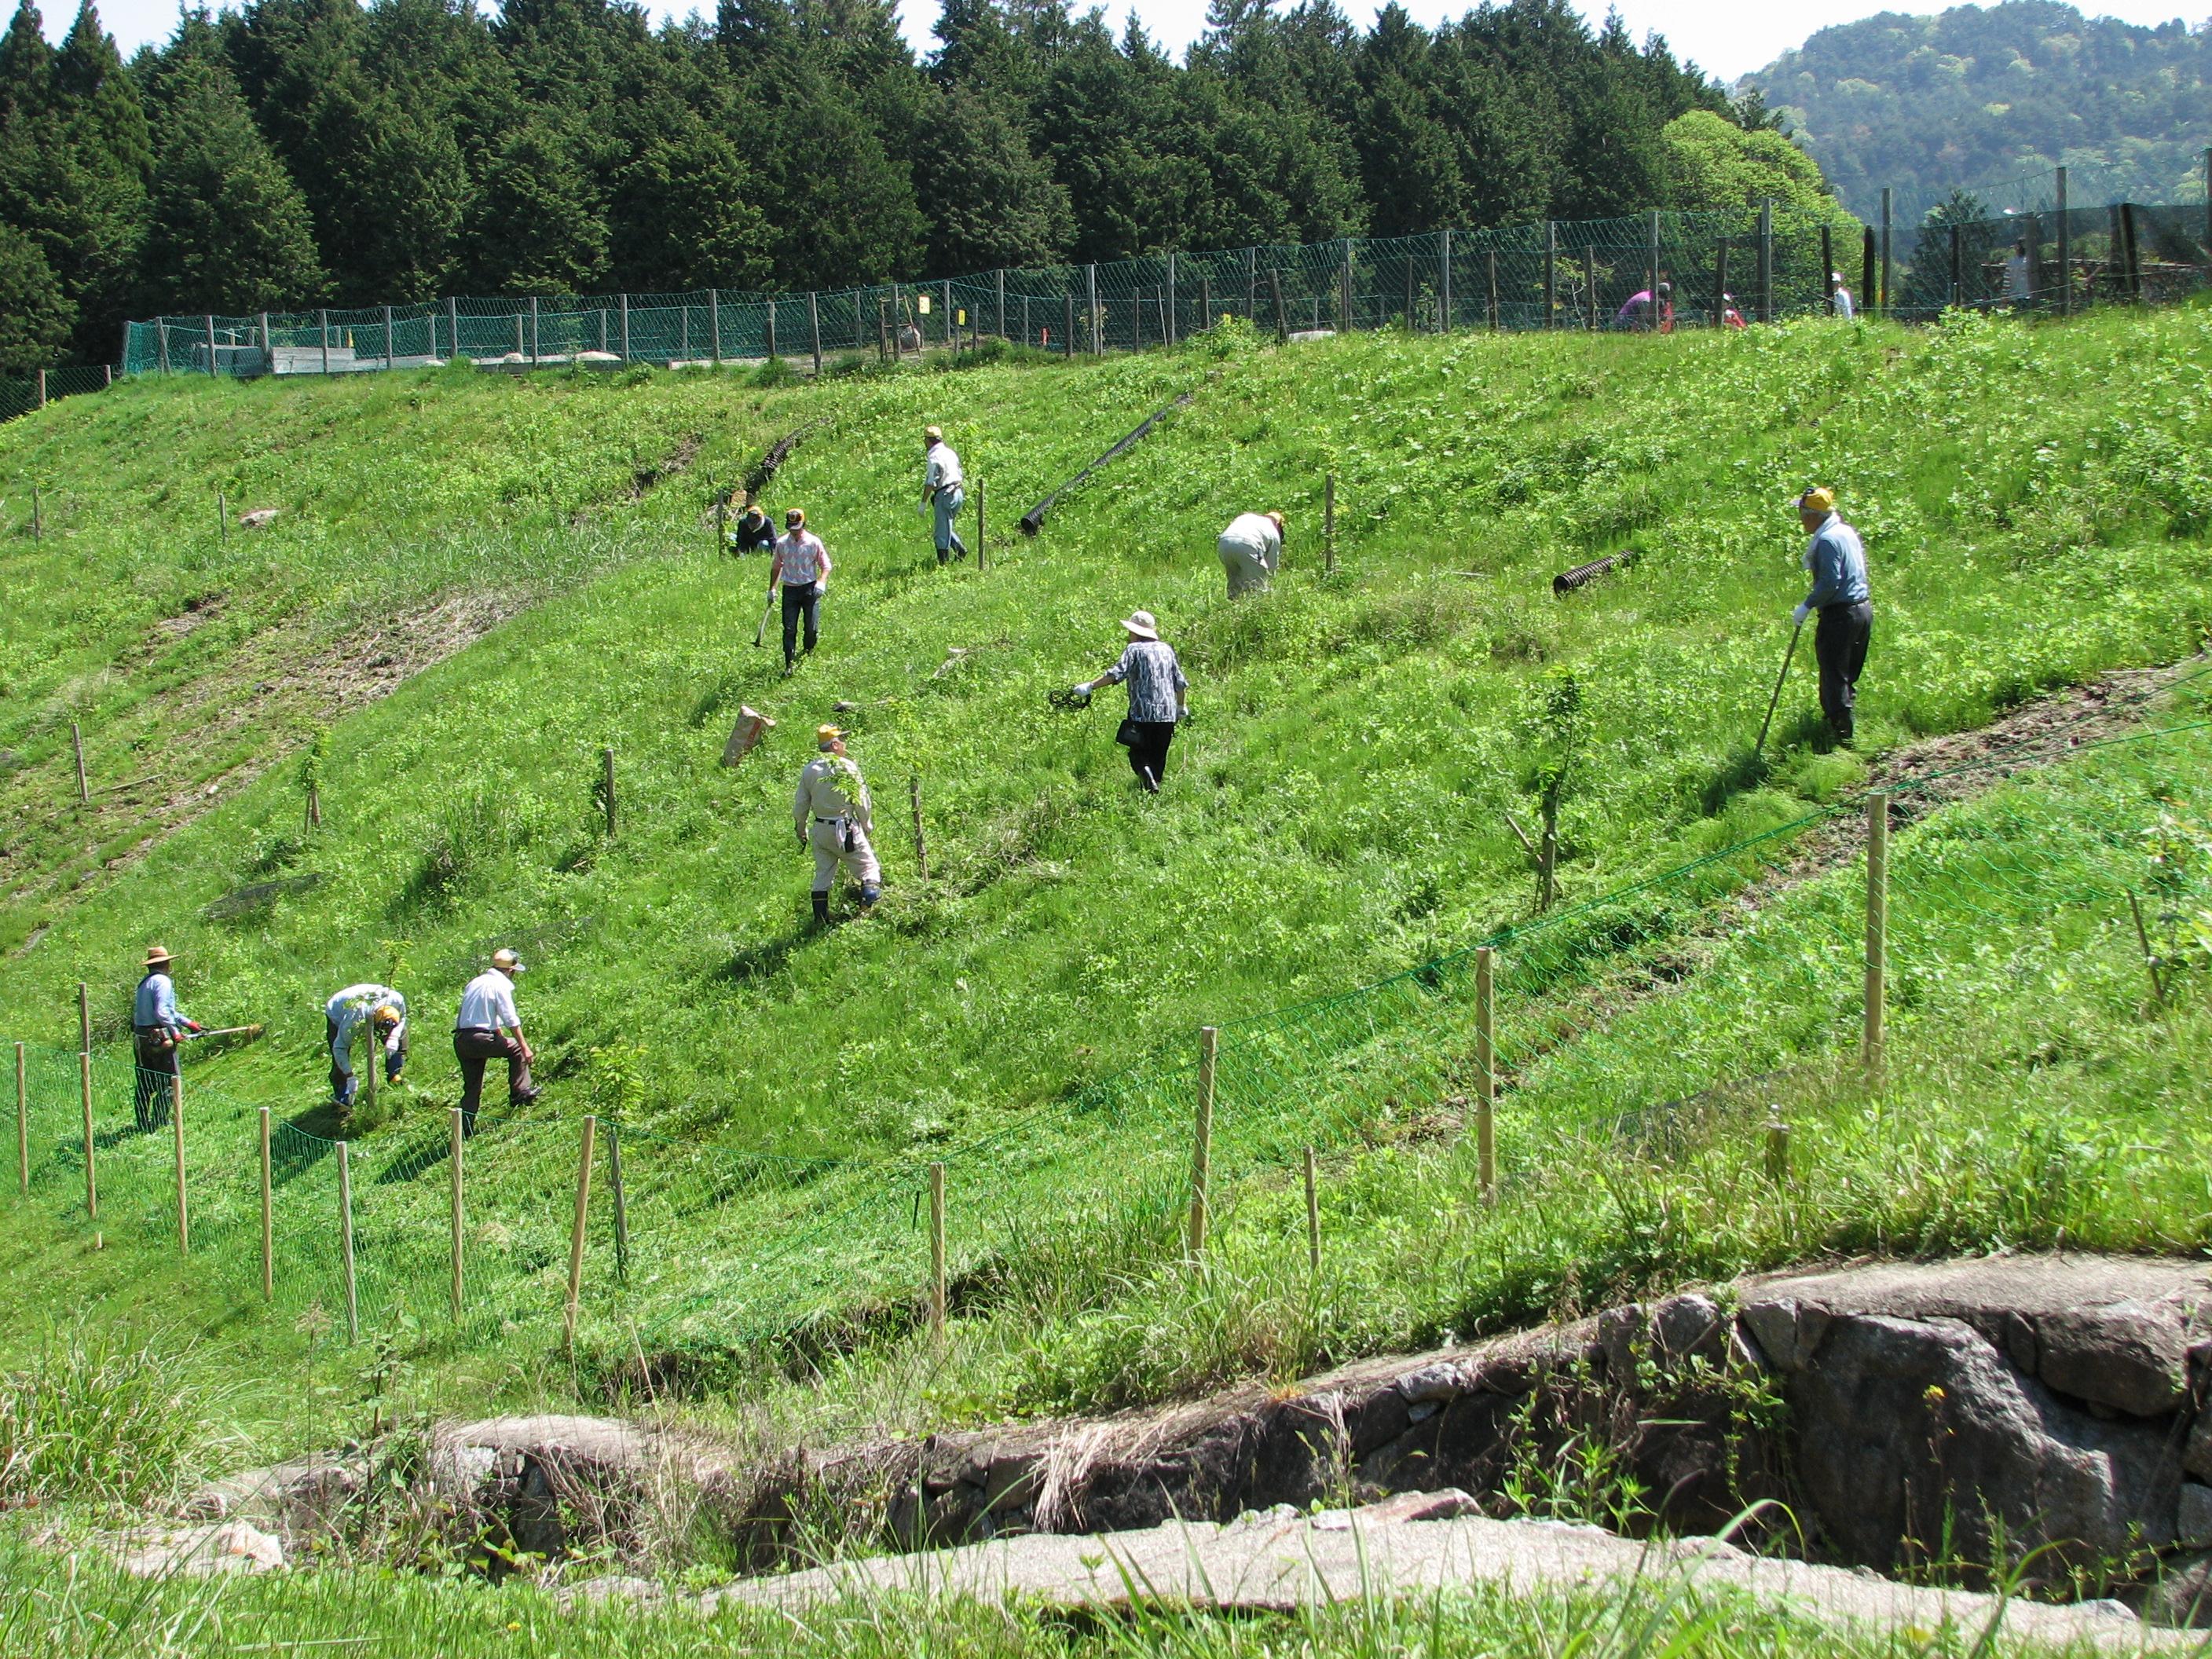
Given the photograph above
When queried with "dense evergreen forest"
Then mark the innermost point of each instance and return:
(1925, 104)
(300, 152)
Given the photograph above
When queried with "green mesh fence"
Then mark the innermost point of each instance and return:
(1632, 1018)
(1759, 265)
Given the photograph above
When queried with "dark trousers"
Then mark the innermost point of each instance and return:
(474, 1048)
(157, 1067)
(805, 600)
(1840, 644)
(393, 1063)
(1148, 751)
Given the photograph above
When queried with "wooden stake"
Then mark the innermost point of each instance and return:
(814, 330)
(372, 1069)
(921, 847)
(177, 1134)
(38, 516)
(457, 1133)
(1778, 1148)
(721, 524)
(221, 515)
(77, 742)
(1877, 933)
(1328, 525)
(84, 1017)
(979, 526)
(345, 1241)
(268, 1218)
(1485, 1073)
(622, 1210)
(2142, 938)
(576, 1236)
(22, 1126)
(1202, 1157)
(936, 1248)
(91, 1156)
(1313, 1215)
(607, 785)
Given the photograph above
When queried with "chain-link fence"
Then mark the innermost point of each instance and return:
(1631, 1018)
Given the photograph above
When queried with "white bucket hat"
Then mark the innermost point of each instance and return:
(1140, 624)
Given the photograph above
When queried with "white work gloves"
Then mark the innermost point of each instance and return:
(1799, 615)
(1079, 690)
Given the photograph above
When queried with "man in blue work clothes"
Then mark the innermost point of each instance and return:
(157, 1027)
(944, 491)
(1837, 562)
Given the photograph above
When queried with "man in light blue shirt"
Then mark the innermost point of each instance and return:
(1836, 560)
(158, 1025)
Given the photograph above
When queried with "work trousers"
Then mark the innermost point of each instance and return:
(802, 599)
(1840, 644)
(157, 1067)
(1247, 568)
(475, 1048)
(948, 503)
(829, 837)
(1148, 752)
(342, 1077)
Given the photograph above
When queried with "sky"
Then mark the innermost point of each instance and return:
(1727, 37)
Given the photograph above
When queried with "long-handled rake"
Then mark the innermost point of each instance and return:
(1777, 698)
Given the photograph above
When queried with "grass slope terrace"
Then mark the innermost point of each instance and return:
(2031, 499)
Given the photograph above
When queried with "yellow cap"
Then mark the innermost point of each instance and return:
(826, 735)
(1819, 499)
(387, 1015)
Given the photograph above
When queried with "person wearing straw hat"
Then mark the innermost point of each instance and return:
(487, 1028)
(943, 490)
(1836, 560)
(1251, 551)
(158, 1026)
(1159, 696)
(386, 1011)
(834, 816)
(801, 568)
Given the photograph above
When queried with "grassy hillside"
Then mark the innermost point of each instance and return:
(2033, 499)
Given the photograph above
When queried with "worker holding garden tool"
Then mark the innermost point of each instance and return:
(800, 570)
(1836, 560)
(943, 491)
(1159, 696)
(385, 1012)
(158, 1027)
(1251, 551)
(489, 1028)
(833, 815)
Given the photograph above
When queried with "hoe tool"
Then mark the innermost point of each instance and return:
(760, 633)
(1776, 698)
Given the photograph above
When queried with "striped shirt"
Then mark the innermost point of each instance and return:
(1153, 676)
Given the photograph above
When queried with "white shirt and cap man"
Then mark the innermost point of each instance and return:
(2020, 281)
(800, 568)
(489, 1028)
(834, 816)
(944, 489)
(1251, 551)
(386, 1011)
(1840, 294)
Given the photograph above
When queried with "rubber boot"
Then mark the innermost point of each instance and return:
(1152, 783)
(821, 910)
(944, 558)
(790, 665)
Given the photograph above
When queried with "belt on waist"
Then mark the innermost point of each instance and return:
(476, 1030)
(1846, 604)
(823, 820)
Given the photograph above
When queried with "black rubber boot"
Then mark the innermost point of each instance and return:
(821, 910)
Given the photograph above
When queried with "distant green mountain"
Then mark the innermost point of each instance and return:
(1978, 96)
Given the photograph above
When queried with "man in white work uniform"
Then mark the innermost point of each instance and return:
(1251, 551)
(386, 1011)
(833, 815)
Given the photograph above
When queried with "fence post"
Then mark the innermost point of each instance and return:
(1651, 269)
(1767, 260)
(1443, 287)
(322, 318)
(2065, 250)
(1202, 1157)
(1171, 299)
(1720, 284)
(1590, 284)
(1313, 1214)
(1282, 316)
(38, 508)
(936, 1248)
(951, 317)
(84, 1017)
(41, 403)
(345, 1241)
(177, 1135)
(1001, 275)
(268, 1218)
(607, 786)
(210, 340)
(1485, 1073)
(979, 526)
(453, 326)
(1885, 250)
(1877, 933)
(1497, 321)
(1957, 255)
(1827, 270)
(457, 1131)
(1866, 270)
(920, 847)
(1348, 281)
(622, 313)
(621, 1204)
(2207, 203)
(814, 330)
(222, 514)
(1328, 525)
(106, 375)
(1090, 294)
(2142, 939)
(721, 522)
(91, 1156)
(533, 330)
(269, 351)
(1067, 326)
(22, 1126)
(83, 791)
(389, 352)
(576, 1238)
(1778, 1148)
(1551, 273)
(2132, 267)
(769, 340)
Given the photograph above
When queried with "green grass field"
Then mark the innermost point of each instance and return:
(534, 558)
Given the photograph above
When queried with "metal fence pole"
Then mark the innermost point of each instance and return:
(715, 321)
(1885, 301)
(1443, 287)
(1171, 318)
(388, 352)
(2065, 250)
(1067, 326)
(1551, 273)
(1651, 271)
(1957, 256)
(210, 340)
(161, 342)
(814, 330)
(453, 326)
(1767, 260)
(322, 318)
(769, 340)
(533, 330)
(1091, 292)
(622, 312)
(1001, 275)
(897, 345)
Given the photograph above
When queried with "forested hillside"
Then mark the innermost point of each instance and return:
(1927, 104)
(302, 152)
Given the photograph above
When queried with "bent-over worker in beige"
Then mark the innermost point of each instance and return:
(834, 816)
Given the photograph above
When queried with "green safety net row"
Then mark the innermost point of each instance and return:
(1634, 1017)
(1552, 274)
